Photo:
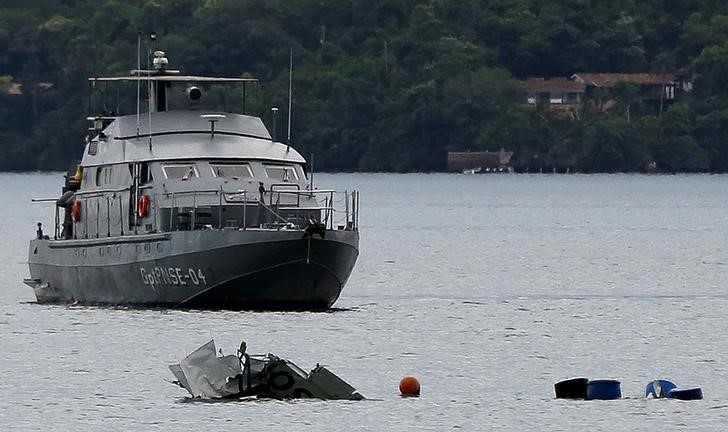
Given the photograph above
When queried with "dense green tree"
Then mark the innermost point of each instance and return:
(615, 145)
(384, 84)
(676, 150)
(711, 89)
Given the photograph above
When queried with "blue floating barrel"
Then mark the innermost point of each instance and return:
(574, 388)
(603, 390)
(659, 388)
(694, 393)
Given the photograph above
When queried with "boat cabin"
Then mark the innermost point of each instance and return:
(168, 170)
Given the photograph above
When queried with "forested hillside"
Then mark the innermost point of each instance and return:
(385, 85)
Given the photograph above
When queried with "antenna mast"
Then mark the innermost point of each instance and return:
(150, 88)
(290, 98)
(312, 171)
(139, 82)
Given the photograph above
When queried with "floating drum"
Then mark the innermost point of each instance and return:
(603, 390)
(573, 388)
(659, 388)
(695, 393)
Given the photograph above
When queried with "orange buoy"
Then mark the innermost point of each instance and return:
(409, 386)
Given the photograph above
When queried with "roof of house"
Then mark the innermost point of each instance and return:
(611, 79)
(553, 85)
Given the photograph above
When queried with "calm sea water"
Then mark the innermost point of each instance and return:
(489, 289)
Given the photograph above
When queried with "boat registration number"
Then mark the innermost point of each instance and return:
(172, 276)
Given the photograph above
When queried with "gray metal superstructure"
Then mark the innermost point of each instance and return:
(193, 209)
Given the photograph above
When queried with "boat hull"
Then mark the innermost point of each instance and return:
(217, 269)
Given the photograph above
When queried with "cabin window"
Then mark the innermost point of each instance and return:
(180, 171)
(281, 172)
(145, 173)
(103, 176)
(231, 171)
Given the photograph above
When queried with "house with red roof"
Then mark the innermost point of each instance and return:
(553, 91)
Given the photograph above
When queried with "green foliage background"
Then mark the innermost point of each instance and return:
(386, 85)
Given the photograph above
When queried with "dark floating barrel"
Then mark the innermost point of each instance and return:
(694, 393)
(659, 388)
(573, 388)
(603, 390)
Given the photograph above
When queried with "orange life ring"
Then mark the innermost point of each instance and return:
(76, 211)
(143, 209)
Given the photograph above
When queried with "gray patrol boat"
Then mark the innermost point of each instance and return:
(193, 209)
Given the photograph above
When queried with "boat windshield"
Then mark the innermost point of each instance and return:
(231, 171)
(281, 172)
(180, 171)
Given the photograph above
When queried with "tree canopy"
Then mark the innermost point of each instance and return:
(386, 85)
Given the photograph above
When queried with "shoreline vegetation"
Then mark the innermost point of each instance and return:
(389, 85)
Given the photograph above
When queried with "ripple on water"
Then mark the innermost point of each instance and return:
(525, 280)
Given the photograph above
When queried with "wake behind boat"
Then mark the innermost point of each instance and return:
(193, 209)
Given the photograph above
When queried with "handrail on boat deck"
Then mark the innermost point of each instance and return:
(328, 208)
(93, 200)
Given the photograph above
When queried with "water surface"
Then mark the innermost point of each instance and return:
(488, 288)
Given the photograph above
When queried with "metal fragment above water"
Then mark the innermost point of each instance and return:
(206, 375)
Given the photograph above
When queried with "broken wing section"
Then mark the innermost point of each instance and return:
(207, 376)
(288, 381)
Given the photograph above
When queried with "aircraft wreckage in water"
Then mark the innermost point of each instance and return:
(206, 375)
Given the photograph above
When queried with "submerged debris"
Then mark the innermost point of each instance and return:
(207, 376)
(667, 389)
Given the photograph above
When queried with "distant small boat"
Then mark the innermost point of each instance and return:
(472, 170)
(498, 170)
(488, 170)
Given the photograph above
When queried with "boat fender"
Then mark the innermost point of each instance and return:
(76, 211)
(143, 208)
(275, 385)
